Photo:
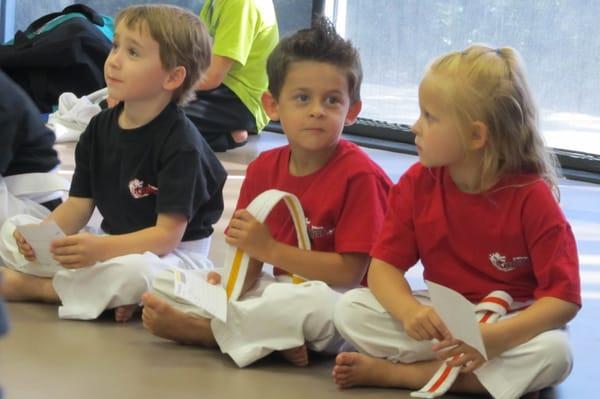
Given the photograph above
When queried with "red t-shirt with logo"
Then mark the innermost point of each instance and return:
(344, 202)
(514, 237)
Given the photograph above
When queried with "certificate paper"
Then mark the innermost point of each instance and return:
(458, 314)
(39, 236)
(196, 290)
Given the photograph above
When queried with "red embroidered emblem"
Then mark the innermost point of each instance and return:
(138, 190)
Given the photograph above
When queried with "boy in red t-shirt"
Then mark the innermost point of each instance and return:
(314, 90)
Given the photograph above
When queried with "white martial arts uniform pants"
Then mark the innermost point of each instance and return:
(543, 361)
(23, 194)
(85, 293)
(274, 315)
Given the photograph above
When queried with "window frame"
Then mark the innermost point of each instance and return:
(7, 19)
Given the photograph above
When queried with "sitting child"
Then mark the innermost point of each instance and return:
(479, 210)
(155, 181)
(29, 183)
(227, 105)
(314, 90)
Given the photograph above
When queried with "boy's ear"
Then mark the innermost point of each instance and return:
(479, 135)
(175, 78)
(270, 105)
(353, 112)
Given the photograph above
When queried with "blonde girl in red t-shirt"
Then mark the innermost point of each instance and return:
(480, 212)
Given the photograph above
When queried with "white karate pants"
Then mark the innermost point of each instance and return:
(22, 194)
(85, 293)
(273, 316)
(543, 361)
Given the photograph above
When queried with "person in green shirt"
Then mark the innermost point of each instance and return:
(228, 104)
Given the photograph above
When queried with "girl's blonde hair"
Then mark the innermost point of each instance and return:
(489, 85)
(182, 38)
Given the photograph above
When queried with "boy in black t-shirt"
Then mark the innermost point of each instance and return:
(28, 163)
(144, 166)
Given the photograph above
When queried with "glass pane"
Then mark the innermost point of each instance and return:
(29, 10)
(558, 39)
(291, 14)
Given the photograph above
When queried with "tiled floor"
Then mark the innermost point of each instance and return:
(44, 357)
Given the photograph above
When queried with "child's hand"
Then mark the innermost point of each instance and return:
(77, 251)
(424, 324)
(249, 235)
(459, 354)
(24, 247)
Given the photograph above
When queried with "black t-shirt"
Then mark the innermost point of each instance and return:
(133, 175)
(25, 143)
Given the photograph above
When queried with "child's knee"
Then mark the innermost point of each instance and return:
(555, 355)
(346, 316)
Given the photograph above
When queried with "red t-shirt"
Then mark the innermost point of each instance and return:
(514, 237)
(344, 202)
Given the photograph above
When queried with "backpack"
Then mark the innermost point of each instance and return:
(59, 52)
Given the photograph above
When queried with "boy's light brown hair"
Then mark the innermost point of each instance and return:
(320, 43)
(182, 38)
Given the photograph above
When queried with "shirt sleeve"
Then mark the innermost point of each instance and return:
(11, 111)
(7, 139)
(551, 246)
(362, 216)
(397, 244)
(185, 182)
(235, 30)
(25, 142)
(81, 184)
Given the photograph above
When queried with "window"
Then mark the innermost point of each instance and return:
(558, 39)
(297, 13)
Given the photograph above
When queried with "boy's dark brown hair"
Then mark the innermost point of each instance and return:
(320, 43)
(182, 38)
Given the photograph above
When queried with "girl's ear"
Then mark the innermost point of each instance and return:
(175, 78)
(270, 105)
(353, 112)
(479, 135)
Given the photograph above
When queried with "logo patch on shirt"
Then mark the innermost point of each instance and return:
(318, 231)
(499, 261)
(138, 190)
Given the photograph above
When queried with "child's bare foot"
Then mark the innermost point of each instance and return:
(165, 321)
(125, 313)
(355, 369)
(297, 356)
(239, 136)
(24, 287)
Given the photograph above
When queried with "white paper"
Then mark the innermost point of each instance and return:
(196, 290)
(39, 236)
(458, 314)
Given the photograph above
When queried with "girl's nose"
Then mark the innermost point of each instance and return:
(414, 129)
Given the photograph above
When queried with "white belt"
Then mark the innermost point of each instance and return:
(35, 185)
(489, 310)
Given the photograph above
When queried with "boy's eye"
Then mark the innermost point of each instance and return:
(115, 45)
(133, 52)
(302, 98)
(332, 100)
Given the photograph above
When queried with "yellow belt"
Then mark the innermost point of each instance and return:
(236, 260)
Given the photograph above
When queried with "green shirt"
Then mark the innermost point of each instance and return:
(246, 32)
